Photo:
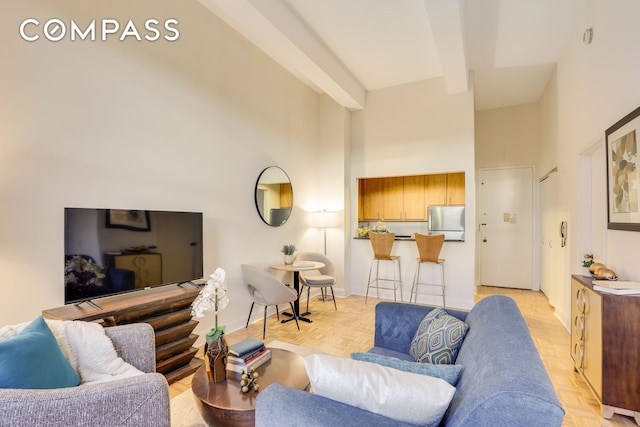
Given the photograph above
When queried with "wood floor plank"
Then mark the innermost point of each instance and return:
(350, 329)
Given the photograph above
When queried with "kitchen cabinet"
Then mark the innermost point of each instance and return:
(445, 189)
(406, 198)
(436, 189)
(393, 199)
(605, 346)
(414, 198)
(455, 188)
(372, 199)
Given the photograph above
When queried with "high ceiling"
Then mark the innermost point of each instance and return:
(505, 49)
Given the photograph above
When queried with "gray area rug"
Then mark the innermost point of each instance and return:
(184, 412)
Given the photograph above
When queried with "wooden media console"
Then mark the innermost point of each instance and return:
(167, 309)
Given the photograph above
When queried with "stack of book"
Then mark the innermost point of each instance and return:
(620, 287)
(247, 354)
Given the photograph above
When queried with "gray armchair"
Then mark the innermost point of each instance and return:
(135, 401)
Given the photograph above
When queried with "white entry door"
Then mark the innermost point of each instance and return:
(505, 199)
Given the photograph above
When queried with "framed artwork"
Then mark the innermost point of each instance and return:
(623, 178)
(128, 219)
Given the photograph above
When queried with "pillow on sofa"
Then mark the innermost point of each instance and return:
(449, 373)
(403, 396)
(438, 338)
(33, 360)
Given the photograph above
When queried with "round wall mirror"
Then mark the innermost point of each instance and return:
(274, 196)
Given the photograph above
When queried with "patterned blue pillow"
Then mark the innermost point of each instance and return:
(438, 338)
(423, 329)
(449, 373)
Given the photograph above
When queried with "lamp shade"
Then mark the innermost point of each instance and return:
(324, 219)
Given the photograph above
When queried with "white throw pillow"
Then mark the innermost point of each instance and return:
(402, 396)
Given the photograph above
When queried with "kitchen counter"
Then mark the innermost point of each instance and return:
(408, 238)
(459, 272)
(397, 238)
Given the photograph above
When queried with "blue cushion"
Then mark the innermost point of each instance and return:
(449, 373)
(33, 360)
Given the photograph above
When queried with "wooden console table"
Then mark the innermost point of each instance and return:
(167, 309)
(605, 346)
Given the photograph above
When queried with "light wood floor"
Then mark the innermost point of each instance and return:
(350, 329)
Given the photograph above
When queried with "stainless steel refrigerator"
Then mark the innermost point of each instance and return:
(447, 220)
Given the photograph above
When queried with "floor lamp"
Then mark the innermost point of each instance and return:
(323, 219)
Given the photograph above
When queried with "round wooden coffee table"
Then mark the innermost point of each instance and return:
(224, 404)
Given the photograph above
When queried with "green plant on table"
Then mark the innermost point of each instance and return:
(288, 249)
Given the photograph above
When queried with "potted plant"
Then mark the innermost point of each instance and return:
(214, 297)
(288, 251)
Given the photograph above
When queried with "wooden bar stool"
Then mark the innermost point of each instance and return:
(429, 250)
(382, 244)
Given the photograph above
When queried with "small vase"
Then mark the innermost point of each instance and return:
(288, 259)
(215, 359)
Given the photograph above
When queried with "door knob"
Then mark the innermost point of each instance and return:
(484, 240)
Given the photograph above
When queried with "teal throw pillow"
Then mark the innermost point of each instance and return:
(438, 338)
(33, 360)
(449, 373)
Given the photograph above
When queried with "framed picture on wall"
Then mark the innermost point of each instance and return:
(128, 219)
(623, 177)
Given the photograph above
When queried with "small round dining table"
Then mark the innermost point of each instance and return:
(296, 268)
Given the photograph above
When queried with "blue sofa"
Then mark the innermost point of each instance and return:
(503, 381)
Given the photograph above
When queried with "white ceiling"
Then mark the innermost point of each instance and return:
(348, 47)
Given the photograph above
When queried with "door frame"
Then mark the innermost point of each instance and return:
(535, 213)
(541, 237)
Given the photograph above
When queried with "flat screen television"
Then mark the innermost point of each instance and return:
(111, 251)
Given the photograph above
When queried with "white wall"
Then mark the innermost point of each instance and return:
(507, 136)
(594, 86)
(416, 128)
(182, 126)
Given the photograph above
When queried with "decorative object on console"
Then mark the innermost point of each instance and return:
(587, 260)
(600, 272)
(288, 250)
(214, 297)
